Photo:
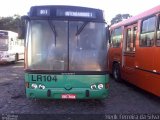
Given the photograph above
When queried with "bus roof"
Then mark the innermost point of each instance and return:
(137, 17)
(65, 12)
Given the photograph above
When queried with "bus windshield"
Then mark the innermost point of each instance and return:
(3, 43)
(66, 46)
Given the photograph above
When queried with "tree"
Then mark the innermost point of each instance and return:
(120, 17)
(10, 23)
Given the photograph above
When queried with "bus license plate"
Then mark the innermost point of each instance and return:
(68, 96)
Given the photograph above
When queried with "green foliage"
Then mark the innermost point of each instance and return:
(10, 23)
(120, 17)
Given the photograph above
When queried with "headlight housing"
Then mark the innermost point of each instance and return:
(41, 86)
(93, 86)
(100, 86)
(34, 86)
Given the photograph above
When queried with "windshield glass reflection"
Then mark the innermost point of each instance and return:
(66, 45)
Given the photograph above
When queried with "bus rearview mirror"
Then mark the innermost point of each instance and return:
(21, 32)
(22, 28)
(108, 34)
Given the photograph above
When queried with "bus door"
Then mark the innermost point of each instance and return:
(146, 50)
(157, 49)
(129, 49)
(11, 43)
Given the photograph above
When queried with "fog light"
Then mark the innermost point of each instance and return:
(34, 86)
(93, 86)
(41, 86)
(100, 86)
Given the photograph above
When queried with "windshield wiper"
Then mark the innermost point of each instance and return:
(81, 28)
(53, 30)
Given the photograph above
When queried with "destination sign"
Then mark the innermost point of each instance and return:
(69, 13)
(43, 12)
(79, 14)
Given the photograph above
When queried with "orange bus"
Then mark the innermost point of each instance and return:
(134, 53)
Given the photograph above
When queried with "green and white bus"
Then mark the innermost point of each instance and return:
(65, 53)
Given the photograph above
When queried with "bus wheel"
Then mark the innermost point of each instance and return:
(116, 72)
(16, 57)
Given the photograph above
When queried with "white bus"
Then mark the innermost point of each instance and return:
(11, 48)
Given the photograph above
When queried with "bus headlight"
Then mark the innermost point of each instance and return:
(41, 86)
(34, 86)
(93, 86)
(100, 86)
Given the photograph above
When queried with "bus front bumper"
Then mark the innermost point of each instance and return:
(60, 93)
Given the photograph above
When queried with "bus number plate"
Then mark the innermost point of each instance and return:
(68, 96)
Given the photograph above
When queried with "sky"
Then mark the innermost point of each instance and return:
(111, 7)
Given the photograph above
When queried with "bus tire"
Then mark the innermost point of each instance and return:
(16, 57)
(116, 72)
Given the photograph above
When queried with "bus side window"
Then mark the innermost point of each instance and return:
(147, 32)
(134, 37)
(16, 41)
(116, 36)
(128, 40)
(11, 41)
(158, 32)
(112, 34)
